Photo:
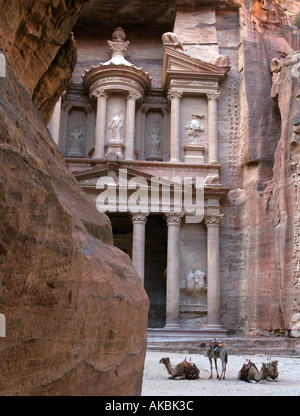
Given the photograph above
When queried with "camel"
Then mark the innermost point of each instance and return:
(250, 373)
(213, 351)
(272, 374)
(179, 372)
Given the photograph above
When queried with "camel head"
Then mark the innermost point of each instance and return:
(164, 360)
(202, 345)
(272, 369)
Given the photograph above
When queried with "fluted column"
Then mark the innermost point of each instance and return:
(138, 243)
(175, 97)
(100, 124)
(173, 268)
(130, 126)
(213, 222)
(213, 151)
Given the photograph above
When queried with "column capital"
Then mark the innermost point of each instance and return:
(174, 94)
(133, 96)
(213, 219)
(214, 95)
(66, 106)
(138, 218)
(100, 93)
(174, 218)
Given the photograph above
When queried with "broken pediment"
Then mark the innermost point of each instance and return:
(178, 66)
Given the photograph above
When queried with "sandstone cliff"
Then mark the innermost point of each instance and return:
(271, 235)
(76, 312)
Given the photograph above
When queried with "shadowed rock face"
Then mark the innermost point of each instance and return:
(76, 312)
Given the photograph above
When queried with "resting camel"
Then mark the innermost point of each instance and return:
(213, 351)
(178, 372)
(249, 371)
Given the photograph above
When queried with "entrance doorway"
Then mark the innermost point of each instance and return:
(155, 269)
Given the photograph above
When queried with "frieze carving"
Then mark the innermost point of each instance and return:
(179, 82)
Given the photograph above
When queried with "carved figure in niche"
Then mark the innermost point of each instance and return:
(154, 139)
(194, 127)
(76, 139)
(115, 126)
(195, 282)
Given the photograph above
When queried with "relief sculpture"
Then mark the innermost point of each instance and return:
(116, 126)
(194, 127)
(195, 282)
(76, 140)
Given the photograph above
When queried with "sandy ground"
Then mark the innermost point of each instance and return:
(157, 383)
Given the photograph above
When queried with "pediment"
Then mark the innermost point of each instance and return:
(178, 65)
(111, 169)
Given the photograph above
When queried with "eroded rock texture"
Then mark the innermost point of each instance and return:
(268, 188)
(76, 312)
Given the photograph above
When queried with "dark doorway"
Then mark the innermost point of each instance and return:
(122, 232)
(155, 267)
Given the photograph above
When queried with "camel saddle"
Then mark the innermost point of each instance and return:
(215, 344)
(190, 369)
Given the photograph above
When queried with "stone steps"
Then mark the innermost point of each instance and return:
(271, 346)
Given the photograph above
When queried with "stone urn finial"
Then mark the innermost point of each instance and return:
(119, 34)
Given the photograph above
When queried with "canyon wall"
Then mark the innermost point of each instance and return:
(75, 309)
(270, 237)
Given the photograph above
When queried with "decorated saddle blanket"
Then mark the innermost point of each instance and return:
(215, 344)
(190, 369)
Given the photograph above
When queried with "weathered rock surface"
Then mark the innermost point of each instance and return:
(271, 211)
(35, 38)
(76, 312)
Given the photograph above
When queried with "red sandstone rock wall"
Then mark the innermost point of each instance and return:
(76, 312)
(272, 294)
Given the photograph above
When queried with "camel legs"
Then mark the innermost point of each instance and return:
(223, 370)
(211, 367)
(216, 366)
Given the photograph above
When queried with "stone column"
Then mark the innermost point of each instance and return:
(175, 97)
(173, 276)
(143, 131)
(100, 124)
(54, 125)
(138, 243)
(130, 126)
(213, 222)
(213, 156)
